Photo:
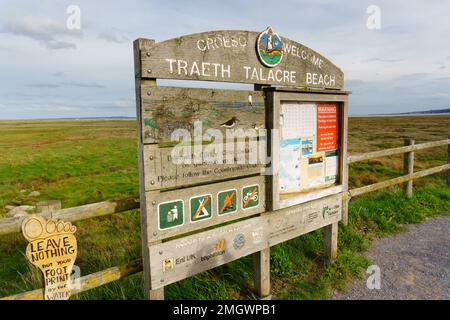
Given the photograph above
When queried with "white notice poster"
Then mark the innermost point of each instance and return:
(315, 170)
(331, 166)
(298, 120)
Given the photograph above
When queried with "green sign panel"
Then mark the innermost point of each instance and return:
(171, 214)
(201, 207)
(227, 202)
(250, 196)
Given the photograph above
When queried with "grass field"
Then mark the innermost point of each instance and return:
(80, 162)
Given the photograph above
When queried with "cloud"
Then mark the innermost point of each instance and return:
(440, 95)
(113, 36)
(418, 76)
(56, 44)
(124, 103)
(354, 83)
(41, 29)
(386, 60)
(58, 74)
(43, 85)
(82, 85)
(376, 63)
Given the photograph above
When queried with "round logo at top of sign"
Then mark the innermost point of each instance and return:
(269, 48)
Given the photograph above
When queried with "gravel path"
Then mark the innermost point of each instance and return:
(413, 264)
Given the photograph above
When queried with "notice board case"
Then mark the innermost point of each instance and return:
(304, 129)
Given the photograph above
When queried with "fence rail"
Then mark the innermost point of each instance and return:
(92, 210)
(90, 281)
(13, 225)
(394, 151)
(399, 180)
(408, 169)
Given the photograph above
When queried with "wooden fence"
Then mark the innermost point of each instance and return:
(12, 225)
(408, 169)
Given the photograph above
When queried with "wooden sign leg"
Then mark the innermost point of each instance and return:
(157, 294)
(330, 241)
(345, 210)
(149, 294)
(261, 261)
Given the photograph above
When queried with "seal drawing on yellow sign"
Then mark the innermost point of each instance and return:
(269, 48)
(52, 248)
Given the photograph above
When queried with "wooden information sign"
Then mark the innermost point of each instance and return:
(52, 248)
(228, 173)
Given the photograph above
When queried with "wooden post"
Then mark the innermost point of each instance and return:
(139, 46)
(261, 263)
(330, 241)
(345, 200)
(408, 168)
(448, 161)
(344, 166)
(157, 294)
(261, 259)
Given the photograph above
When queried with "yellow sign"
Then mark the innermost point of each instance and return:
(52, 248)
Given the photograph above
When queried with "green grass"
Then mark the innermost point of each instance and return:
(81, 162)
(76, 162)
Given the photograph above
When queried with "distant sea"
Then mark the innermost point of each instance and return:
(399, 115)
(406, 114)
(78, 118)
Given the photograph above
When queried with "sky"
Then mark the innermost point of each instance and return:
(48, 70)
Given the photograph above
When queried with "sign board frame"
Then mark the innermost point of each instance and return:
(226, 56)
